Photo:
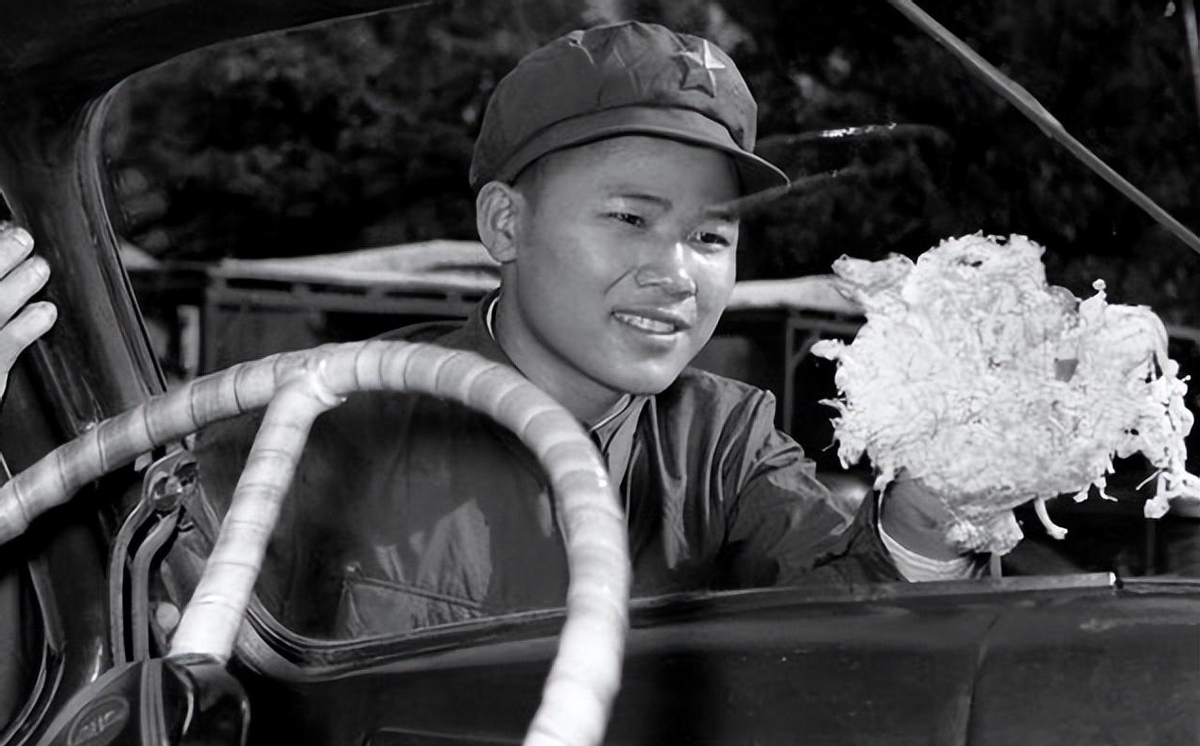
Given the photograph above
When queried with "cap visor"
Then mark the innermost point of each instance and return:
(757, 174)
(683, 125)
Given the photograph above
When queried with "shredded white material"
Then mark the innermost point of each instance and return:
(994, 388)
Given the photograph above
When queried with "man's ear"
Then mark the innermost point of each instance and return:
(497, 216)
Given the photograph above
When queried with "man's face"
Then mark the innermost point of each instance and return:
(620, 273)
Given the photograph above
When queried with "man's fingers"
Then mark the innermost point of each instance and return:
(34, 321)
(15, 245)
(20, 285)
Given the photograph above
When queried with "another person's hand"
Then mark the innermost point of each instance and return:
(917, 518)
(21, 276)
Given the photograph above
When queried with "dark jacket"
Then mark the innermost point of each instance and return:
(408, 511)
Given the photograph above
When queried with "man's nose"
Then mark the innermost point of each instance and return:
(667, 269)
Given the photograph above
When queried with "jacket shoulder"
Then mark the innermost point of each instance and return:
(708, 404)
(701, 385)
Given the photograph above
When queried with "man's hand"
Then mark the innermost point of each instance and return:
(21, 276)
(917, 518)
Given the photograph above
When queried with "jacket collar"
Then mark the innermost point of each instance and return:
(477, 335)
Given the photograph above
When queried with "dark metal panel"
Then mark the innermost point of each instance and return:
(1111, 672)
(1058, 665)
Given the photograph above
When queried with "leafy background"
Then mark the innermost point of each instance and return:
(359, 133)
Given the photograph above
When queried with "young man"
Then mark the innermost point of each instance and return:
(601, 163)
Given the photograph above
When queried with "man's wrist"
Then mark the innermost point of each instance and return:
(916, 567)
(905, 515)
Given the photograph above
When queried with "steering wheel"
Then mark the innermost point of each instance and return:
(296, 387)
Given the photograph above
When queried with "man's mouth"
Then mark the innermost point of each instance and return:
(647, 324)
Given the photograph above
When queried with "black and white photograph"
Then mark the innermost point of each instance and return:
(581, 372)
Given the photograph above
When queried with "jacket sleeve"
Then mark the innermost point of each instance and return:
(783, 527)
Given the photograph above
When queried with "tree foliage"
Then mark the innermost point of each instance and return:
(360, 132)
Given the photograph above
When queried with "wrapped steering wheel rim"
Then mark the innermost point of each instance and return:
(296, 388)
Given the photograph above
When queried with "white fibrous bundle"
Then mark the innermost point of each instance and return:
(992, 388)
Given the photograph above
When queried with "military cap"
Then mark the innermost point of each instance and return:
(626, 78)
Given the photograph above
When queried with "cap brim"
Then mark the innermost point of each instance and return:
(684, 125)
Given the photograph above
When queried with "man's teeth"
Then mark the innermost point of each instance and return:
(650, 325)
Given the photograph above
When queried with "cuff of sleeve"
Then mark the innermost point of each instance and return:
(919, 568)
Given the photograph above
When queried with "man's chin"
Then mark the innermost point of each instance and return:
(643, 379)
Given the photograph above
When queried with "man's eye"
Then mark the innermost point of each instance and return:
(712, 240)
(628, 218)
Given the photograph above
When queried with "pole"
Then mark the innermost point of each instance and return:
(1025, 102)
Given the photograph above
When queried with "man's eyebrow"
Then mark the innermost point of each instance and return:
(633, 194)
(733, 209)
(718, 213)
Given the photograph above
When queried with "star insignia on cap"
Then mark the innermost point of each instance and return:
(698, 69)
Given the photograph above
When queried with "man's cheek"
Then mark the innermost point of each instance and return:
(715, 278)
